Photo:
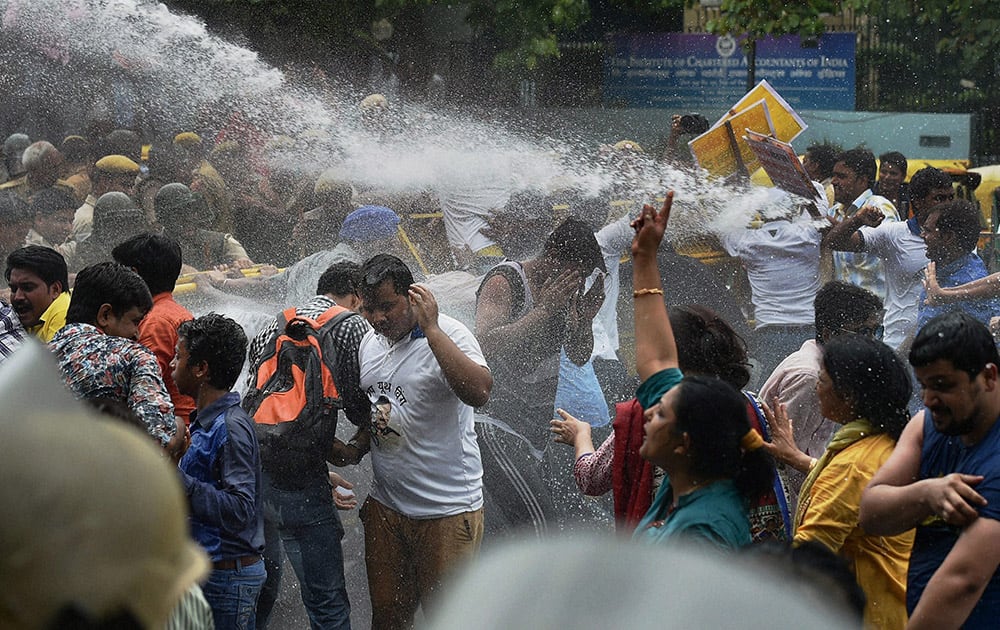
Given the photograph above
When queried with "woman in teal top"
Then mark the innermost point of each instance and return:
(696, 427)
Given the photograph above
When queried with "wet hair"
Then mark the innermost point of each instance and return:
(861, 161)
(841, 304)
(49, 201)
(814, 565)
(339, 279)
(873, 378)
(956, 337)
(961, 218)
(106, 283)
(380, 268)
(44, 262)
(894, 158)
(707, 345)
(824, 155)
(574, 242)
(714, 415)
(116, 409)
(927, 179)
(155, 257)
(218, 341)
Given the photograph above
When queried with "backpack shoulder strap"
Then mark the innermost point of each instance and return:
(285, 317)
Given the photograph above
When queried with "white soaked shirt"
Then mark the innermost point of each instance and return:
(782, 263)
(904, 253)
(614, 239)
(425, 457)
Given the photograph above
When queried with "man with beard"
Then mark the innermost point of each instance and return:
(944, 479)
(950, 233)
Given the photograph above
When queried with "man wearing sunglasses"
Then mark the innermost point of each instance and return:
(840, 308)
(424, 373)
(900, 246)
(950, 233)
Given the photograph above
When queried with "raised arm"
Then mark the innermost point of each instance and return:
(845, 237)
(655, 349)
(470, 381)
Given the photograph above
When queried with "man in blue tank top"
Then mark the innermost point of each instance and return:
(944, 479)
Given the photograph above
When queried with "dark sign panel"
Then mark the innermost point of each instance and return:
(682, 71)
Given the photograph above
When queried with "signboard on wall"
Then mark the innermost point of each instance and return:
(691, 72)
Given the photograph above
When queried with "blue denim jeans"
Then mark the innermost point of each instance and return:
(232, 594)
(307, 522)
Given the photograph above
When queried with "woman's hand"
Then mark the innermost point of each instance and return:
(569, 429)
(782, 445)
(649, 228)
(574, 432)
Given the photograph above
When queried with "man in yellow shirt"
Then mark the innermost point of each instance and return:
(39, 289)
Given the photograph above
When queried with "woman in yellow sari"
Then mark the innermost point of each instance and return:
(864, 387)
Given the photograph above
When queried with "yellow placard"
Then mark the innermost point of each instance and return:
(714, 149)
(787, 124)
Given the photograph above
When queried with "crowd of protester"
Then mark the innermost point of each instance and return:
(854, 322)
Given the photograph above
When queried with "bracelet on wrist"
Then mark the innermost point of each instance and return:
(642, 292)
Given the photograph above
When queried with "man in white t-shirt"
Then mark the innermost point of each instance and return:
(900, 247)
(781, 259)
(423, 373)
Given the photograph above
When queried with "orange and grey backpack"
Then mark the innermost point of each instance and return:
(294, 401)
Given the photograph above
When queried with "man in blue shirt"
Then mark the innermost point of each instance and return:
(950, 232)
(943, 478)
(221, 469)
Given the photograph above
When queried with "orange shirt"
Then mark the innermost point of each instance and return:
(158, 332)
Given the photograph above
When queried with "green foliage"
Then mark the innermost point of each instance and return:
(526, 31)
(760, 18)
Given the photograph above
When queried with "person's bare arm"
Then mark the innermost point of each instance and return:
(470, 381)
(959, 582)
(655, 349)
(844, 236)
(896, 500)
(983, 288)
(570, 430)
(498, 333)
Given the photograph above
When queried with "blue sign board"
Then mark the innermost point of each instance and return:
(682, 71)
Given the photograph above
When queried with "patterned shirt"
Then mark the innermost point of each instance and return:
(12, 334)
(861, 269)
(96, 365)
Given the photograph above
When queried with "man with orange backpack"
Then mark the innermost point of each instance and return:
(303, 369)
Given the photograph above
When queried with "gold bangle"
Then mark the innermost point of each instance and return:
(641, 292)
